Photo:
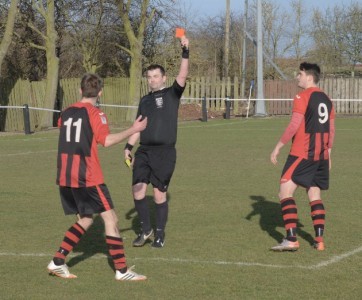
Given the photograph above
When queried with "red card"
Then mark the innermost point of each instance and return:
(180, 32)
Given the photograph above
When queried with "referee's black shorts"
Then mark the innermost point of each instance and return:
(85, 200)
(306, 173)
(155, 165)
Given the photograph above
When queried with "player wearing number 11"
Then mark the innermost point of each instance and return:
(308, 164)
(82, 126)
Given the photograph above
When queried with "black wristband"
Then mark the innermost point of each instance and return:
(128, 147)
(185, 52)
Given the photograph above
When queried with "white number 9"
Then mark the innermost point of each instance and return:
(323, 113)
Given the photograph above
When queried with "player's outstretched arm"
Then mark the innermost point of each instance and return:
(115, 138)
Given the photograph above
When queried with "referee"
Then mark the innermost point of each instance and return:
(155, 159)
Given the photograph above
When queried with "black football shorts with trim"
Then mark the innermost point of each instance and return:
(85, 200)
(306, 173)
(154, 165)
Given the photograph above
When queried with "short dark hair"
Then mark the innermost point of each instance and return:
(155, 67)
(311, 69)
(91, 85)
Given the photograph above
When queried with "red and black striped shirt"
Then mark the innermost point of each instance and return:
(82, 127)
(312, 136)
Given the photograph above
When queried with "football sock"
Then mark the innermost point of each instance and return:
(143, 214)
(290, 218)
(161, 217)
(71, 239)
(116, 250)
(318, 217)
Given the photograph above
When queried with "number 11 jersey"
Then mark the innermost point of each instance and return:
(82, 127)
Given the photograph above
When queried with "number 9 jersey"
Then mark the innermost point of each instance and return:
(82, 127)
(312, 137)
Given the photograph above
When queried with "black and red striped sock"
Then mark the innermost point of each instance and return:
(71, 239)
(318, 214)
(116, 250)
(290, 218)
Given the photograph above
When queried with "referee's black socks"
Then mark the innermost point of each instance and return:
(143, 214)
(161, 217)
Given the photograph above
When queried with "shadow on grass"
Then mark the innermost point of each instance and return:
(93, 242)
(271, 219)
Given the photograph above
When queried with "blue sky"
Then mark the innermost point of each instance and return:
(215, 7)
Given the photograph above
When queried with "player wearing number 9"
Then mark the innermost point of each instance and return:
(312, 130)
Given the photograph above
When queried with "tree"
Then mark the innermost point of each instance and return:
(351, 35)
(227, 40)
(296, 39)
(135, 20)
(49, 37)
(297, 32)
(88, 23)
(327, 28)
(275, 21)
(9, 30)
(207, 53)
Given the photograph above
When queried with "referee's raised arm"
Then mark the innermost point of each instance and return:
(184, 67)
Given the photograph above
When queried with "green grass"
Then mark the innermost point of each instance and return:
(224, 216)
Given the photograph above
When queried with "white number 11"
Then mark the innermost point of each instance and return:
(78, 126)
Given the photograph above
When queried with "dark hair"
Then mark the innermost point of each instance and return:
(311, 69)
(155, 67)
(91, 85)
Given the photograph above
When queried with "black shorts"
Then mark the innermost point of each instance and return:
(85, 200)
(154, 165)
(306, 173)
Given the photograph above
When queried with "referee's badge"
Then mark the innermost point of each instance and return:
(159, 102)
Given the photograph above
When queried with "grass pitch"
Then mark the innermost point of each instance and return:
(224, 217)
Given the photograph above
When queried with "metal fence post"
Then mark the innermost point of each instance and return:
(204, 110)
(26, 119)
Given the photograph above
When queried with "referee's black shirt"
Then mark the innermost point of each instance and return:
(161, 110)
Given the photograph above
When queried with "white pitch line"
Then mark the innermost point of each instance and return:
(209, 262)
(333, 260)
(337, 258)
